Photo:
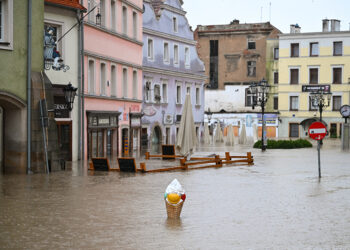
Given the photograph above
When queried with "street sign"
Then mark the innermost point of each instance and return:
(317, 131)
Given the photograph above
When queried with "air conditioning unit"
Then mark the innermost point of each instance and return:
(168, 119)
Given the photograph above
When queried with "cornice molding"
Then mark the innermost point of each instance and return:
(170, 37)
(174, 73)
(132, 5)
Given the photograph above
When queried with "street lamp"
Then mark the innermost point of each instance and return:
(98, 17)
(259, 92)
(69, 95)
(209, 115)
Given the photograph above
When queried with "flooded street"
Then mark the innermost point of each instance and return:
(278, 203)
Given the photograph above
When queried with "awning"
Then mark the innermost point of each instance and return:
(308, 121)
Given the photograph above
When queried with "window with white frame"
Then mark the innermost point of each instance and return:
(312, 104)
(250, 98)
(336, 104)
(175, 24)
(134, 24)
(314, 50)
(103, 12)
(176, 54)
(178, 93)
(134, 84)
(150, 49)
(293, 103)
(125, 83)
(91, 10)
(165, 91)
(187, 56)
(103, 79)
(148, 87)
(166, 52)
(125, 20)
(113, 15)
(313, 75)
(337, 75)
(6, 24)
(198, 96)
(91, 77)
(157, 96)
(276, 53)
(56, 30)
(113, 80)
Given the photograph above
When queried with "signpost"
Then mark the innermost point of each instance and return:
(318, 131)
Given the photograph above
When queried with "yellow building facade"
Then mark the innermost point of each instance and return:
(312, 59)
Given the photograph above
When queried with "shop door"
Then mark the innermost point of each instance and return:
(97, 144)
(64, 129)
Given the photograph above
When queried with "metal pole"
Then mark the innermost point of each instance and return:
(44, 136)
(80, 89)
(321, 107)
(29, 89)
(319, 158)
(263, 148)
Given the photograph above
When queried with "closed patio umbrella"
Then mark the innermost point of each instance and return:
(206, 138)
(243, 135)
(230, 136)
(186, 139)
(218, 134)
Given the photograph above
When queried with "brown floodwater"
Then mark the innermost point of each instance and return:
(278, 203)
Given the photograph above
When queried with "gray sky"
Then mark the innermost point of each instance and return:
(307, 13)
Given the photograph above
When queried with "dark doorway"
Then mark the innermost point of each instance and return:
(64, 129)
(144, 140)
(156, 139)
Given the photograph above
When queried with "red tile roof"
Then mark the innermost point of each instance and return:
(68, 3)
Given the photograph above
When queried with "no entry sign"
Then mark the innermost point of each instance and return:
(317, 131)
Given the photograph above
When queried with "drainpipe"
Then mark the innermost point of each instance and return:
(29, 92)
(82, 90)
(79, 85)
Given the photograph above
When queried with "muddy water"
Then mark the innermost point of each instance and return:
(277, 203)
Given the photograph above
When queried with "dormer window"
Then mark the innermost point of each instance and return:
(174, 24)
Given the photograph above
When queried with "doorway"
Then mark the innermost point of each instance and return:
(96, 144)
(64, 129)
(156, 139)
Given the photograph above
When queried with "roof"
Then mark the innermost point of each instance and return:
(72, 4)
(235, 26)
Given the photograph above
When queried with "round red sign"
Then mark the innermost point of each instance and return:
(317, 131)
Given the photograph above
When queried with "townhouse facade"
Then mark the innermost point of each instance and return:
(312, 61)
(235, 56)
(112, 83)
(171, 69)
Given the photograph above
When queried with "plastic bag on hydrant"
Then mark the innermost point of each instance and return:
(175, 193)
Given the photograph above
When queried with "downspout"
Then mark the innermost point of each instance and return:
(29, 92)
(82, 90)
(79, 85)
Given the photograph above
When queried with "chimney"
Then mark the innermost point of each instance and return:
(325, 25)
(335, 25)
(294, 28)
(235, 22)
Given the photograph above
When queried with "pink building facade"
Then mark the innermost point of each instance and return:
(112, 77)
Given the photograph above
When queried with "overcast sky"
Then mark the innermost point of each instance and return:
(307, 13)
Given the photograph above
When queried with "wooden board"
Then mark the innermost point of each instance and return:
(100, 164)
(127, 164)
(168, 150)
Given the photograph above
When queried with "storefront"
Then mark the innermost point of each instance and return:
(102, 133)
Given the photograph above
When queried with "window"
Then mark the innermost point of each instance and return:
(314, 49)
(276, 53)
(166, 53)
(125, 20)
(113, 80)
(174, 24)
(214, 64)
(337, 48)
(337, 75)
(251, 45)
(134, 84)
(293, 103)
(275, 77)
(157, 96)
(188, 89)
(313, 76)
(187, 56)
(250, 98)
(312, 105)
(293, 130)
(336, 103)
(91, 77)
(178, 94)
(150, 49)
(148, 87)
(275, 102)
(198, 100)
(113, 15)
(103, 79)
(165, 92)
(125, 83)
(91, 5)
(294, 50)
(6, 23)
(103, 12)
(251, 68)
(134, 25)
(176, 54)
(294, 76)
(56, 34)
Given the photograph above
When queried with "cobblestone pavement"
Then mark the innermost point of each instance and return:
(278, 203)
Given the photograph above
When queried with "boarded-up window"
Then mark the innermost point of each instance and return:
(313, 76)
(293, 130)
(337, 75)
(337, 48)
(294, 50)
(294, 76)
